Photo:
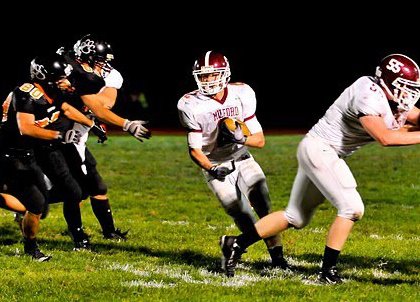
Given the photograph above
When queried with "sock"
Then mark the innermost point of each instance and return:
(276, 252)
(71, 211)
(29, 244)
(246, 239)
(102, 211)
(330, 258)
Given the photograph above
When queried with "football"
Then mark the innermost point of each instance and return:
(231, 124)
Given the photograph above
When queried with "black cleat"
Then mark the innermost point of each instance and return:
(117, 235)
(329, 276)
(282, 263)
(31, 248)
(232, 253)
(83, 244)
(81, 240)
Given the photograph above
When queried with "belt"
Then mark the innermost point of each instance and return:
(18, 153)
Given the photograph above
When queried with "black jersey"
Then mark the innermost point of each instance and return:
(85, 80)
(29, 98)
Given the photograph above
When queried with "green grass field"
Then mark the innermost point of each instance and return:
(175, 222)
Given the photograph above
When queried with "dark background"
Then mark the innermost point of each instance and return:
(298, 61)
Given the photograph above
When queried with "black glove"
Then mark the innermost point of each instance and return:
(220, 172)
(136, 129)
(70, 137)
(100, 131)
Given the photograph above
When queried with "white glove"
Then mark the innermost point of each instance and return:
(114, 79)
(70, 137)
(136, 129)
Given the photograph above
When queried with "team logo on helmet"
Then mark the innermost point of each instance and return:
(38, 71)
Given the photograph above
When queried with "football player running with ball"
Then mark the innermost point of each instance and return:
(217, 117)
(380, 108)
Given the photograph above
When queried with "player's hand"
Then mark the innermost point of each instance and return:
(220, 172)
(232, 131)
(136, 129)
(70, 137)
(100, 131)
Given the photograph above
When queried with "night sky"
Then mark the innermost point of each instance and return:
(296, 67)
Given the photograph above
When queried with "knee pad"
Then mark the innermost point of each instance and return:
(296, 220)
(354, 211)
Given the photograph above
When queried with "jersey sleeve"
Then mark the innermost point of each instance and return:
(249, 104)
(186, 115)
(367, 101)
(22, 102)
(189, 122)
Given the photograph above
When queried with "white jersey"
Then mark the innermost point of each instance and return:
(200, 115)
(340, 126)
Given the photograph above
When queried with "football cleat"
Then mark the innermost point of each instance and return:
(232, 253)
(330, 276)
(117, 235)
(81, 240)
(282, 263)
(31, 248)
(83, 244)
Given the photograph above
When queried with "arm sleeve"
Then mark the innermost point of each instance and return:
(21, 102)
(114, 79)
(189, 122)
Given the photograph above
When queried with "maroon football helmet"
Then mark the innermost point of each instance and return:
(215, 64)
(399, 76)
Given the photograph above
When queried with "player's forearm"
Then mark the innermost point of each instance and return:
(200, 158)
(75, 115)
(40, 133)
(256, 140)
(94, 103)
(399, 138)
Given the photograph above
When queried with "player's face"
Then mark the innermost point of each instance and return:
(209, 77)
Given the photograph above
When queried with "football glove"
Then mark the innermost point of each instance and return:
(220, 172)
(100, 131)
(70, 137)
(136, 129)
(232, 131)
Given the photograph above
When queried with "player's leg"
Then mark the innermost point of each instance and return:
(32, 192)
(97, 189)
(252, 183)
(54, 165)
(334, 179)
(11, 203)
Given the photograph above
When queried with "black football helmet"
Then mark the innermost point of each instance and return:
(94, 51)
(48, 70)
